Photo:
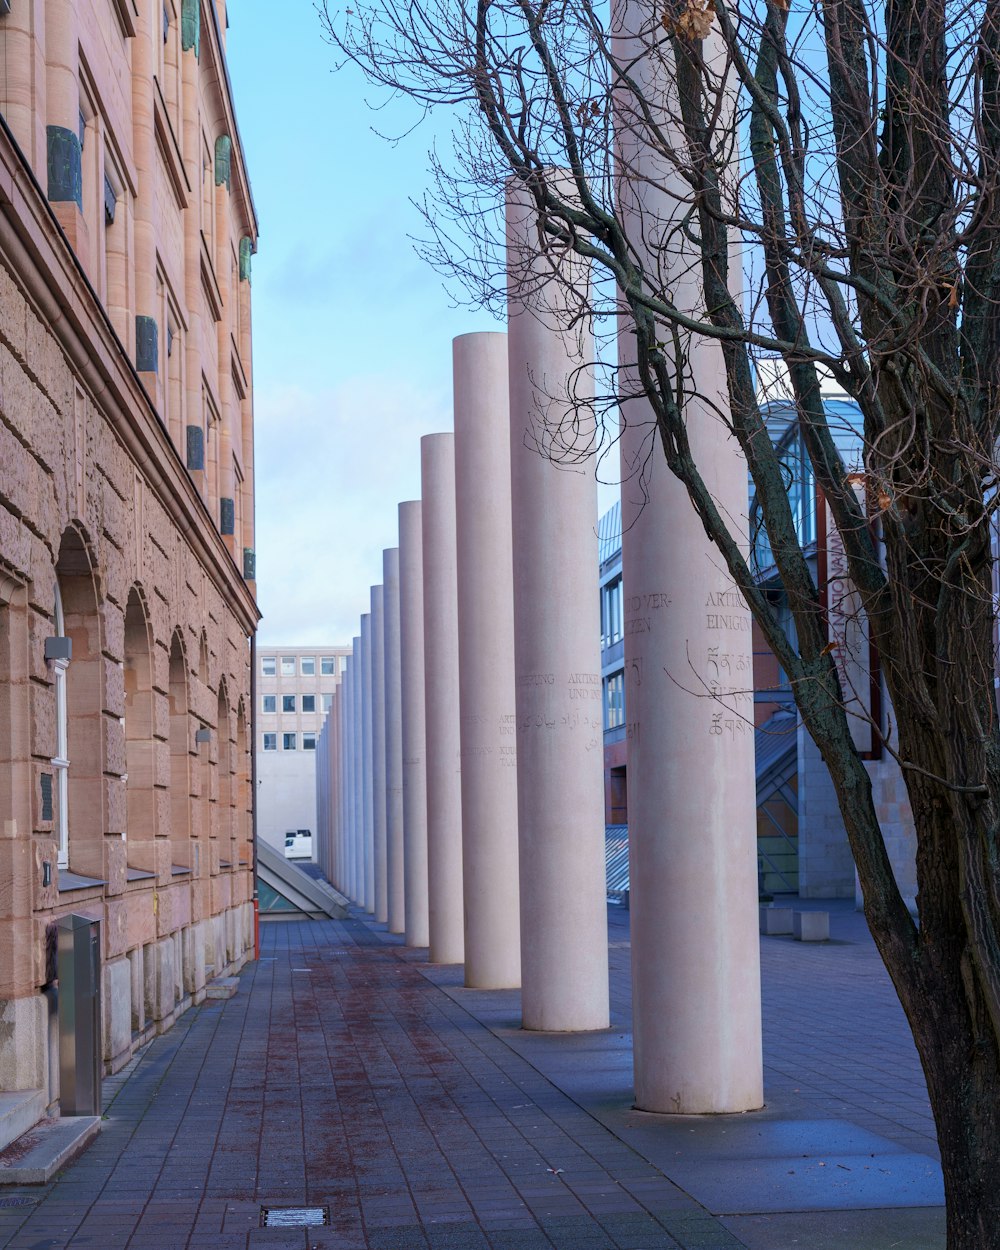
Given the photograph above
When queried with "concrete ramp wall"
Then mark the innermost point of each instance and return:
(286, 892)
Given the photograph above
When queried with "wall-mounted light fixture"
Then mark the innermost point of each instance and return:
(59, 648)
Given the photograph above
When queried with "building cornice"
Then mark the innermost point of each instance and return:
(241, 178)
(57, 284)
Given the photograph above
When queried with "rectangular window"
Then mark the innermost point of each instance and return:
(288, 742)
(288, 703)
(308, 663)
(614, 701)
(309, 703)
(270, 742)
(268, 666)
(288, 666)
(326, 702)
(611, 613)
(328, 666)
(308, 742)
(269, 703)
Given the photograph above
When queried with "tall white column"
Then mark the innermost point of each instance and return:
(691, 789)
(367, 811)
(333, 721)
(322, 797)
(357, 765)
(338, 763)
(393, 745)
(560, 777)
(342, 701)
(378, 754)
(324, 841)
(486, 662)
(348, 767)
(411, 638)
(443, 741)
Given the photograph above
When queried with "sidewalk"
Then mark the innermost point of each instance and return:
(349, 1074)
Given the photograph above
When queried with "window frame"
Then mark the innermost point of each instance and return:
(60, 761)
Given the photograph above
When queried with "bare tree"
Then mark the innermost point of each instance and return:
(852, 151)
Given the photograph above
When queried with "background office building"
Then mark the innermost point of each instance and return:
(295, 690)
(802, 845)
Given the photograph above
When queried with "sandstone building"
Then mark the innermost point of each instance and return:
(127, 598)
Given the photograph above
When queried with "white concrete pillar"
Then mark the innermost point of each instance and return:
(341, 705)
(411, 639)
(357, 767)
(443, 734)
(333, 721)
(393, 745)
(348, 771)
(367, 813)
(690, 768)
(486, 662)
(326, 747)
(345, 771)
(378, 754)
(322, 797)
(564, 955)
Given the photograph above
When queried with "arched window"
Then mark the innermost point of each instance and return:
(225, 777)
(80, 816)
(243, 827)
(140, 758)
(180, 758)
(60, 761)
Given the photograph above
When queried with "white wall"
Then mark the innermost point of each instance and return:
(286, 794)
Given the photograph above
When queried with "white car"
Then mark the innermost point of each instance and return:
(298, 844)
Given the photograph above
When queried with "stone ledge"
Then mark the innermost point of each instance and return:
(37, 1155)
(20, 1110)
(222, 987)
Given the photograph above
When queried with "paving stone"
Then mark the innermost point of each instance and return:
(371, 1088)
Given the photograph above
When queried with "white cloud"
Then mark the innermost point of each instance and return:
(331, 467)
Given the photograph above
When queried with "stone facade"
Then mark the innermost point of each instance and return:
(126, 515)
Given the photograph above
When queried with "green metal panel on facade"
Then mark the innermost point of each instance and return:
(223, 160)
(191, 26)
(65, 166)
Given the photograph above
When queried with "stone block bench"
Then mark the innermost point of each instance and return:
(811, 926)
(775, 920)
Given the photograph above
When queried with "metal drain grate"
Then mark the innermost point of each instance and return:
(17, 1202)
(294, 1217)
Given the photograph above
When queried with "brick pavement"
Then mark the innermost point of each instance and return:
(340, 1076)
(347, 1073)
(836, 1042)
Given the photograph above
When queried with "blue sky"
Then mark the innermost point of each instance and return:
(352, 330)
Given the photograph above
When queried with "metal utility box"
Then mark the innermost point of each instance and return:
(80, 1061)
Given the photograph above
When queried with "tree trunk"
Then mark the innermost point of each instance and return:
(963, 1080)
